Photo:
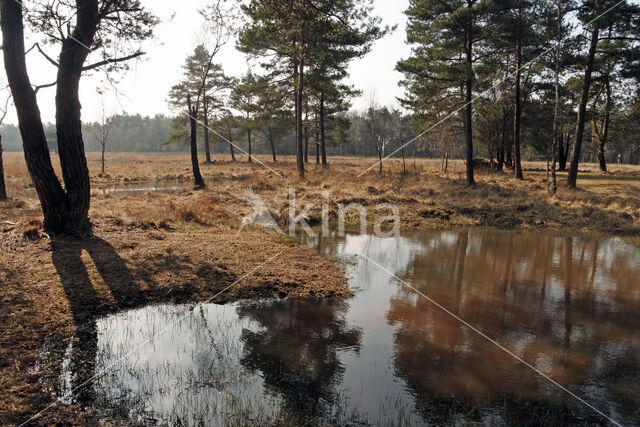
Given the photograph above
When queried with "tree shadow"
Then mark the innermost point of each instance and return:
(86, 305)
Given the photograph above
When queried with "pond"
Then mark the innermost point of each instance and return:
(136, 189)
(568, 306)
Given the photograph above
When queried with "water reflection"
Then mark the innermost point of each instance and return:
(296, 350)
(566, 305)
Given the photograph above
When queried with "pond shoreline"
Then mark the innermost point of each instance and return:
(351, 331)
(49, 286)
(160, 242)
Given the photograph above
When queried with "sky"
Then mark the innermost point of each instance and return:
(144, 88)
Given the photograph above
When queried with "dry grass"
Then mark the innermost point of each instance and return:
(608, 203)
(184, 245)
(179, 247)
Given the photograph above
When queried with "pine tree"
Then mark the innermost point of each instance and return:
(217, 84)
(615, 61)
(599, 18)
(189, 96)
(329, 97)
(520, 32)
(245, 99)
(445, 35)
(273, 115)
(295, 32)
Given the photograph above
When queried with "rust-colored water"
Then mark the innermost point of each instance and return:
(568, 306)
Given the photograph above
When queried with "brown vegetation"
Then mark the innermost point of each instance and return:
(184, 246)
(608, 203)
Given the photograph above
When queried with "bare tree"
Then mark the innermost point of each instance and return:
(377, 127)
(444, 142)
(399, 134)
(101, 132)
(217, 30)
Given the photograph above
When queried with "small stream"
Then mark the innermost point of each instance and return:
(567, 305)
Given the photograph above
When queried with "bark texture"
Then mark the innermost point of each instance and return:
(63, 213)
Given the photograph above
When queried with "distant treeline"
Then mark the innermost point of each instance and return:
(129, 133)
(348, 136)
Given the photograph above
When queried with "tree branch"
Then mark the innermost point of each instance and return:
(37, 88)
(4, 111)
(112, 61)
(42, 52)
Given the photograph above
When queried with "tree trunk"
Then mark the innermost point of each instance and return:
(104, 146)
(469, 107)
(54, 201)
(306, 145)
(68, 115)
(582, 111)
(195, 164)
(563, 152)
(605, 130)
(317, 137)
(323, 143)
(490, 147)
(500, 157)
(250, 152)
(503, 141)
(295, 107)
(468, 131)
(230, 134)
(556, 115)
(205, 109)
(3, 187)
(380, 162)
(273, 146)
(518, 112)
(299, 100)
(446, 161)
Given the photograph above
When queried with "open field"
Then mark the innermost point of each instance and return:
(426, 197)
(608, 203)
(184, 245)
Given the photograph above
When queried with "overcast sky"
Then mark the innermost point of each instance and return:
(144, 88)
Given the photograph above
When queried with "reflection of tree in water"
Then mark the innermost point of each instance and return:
(297, 349)
(567, 306)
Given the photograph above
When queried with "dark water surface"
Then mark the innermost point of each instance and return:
(567, 305)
